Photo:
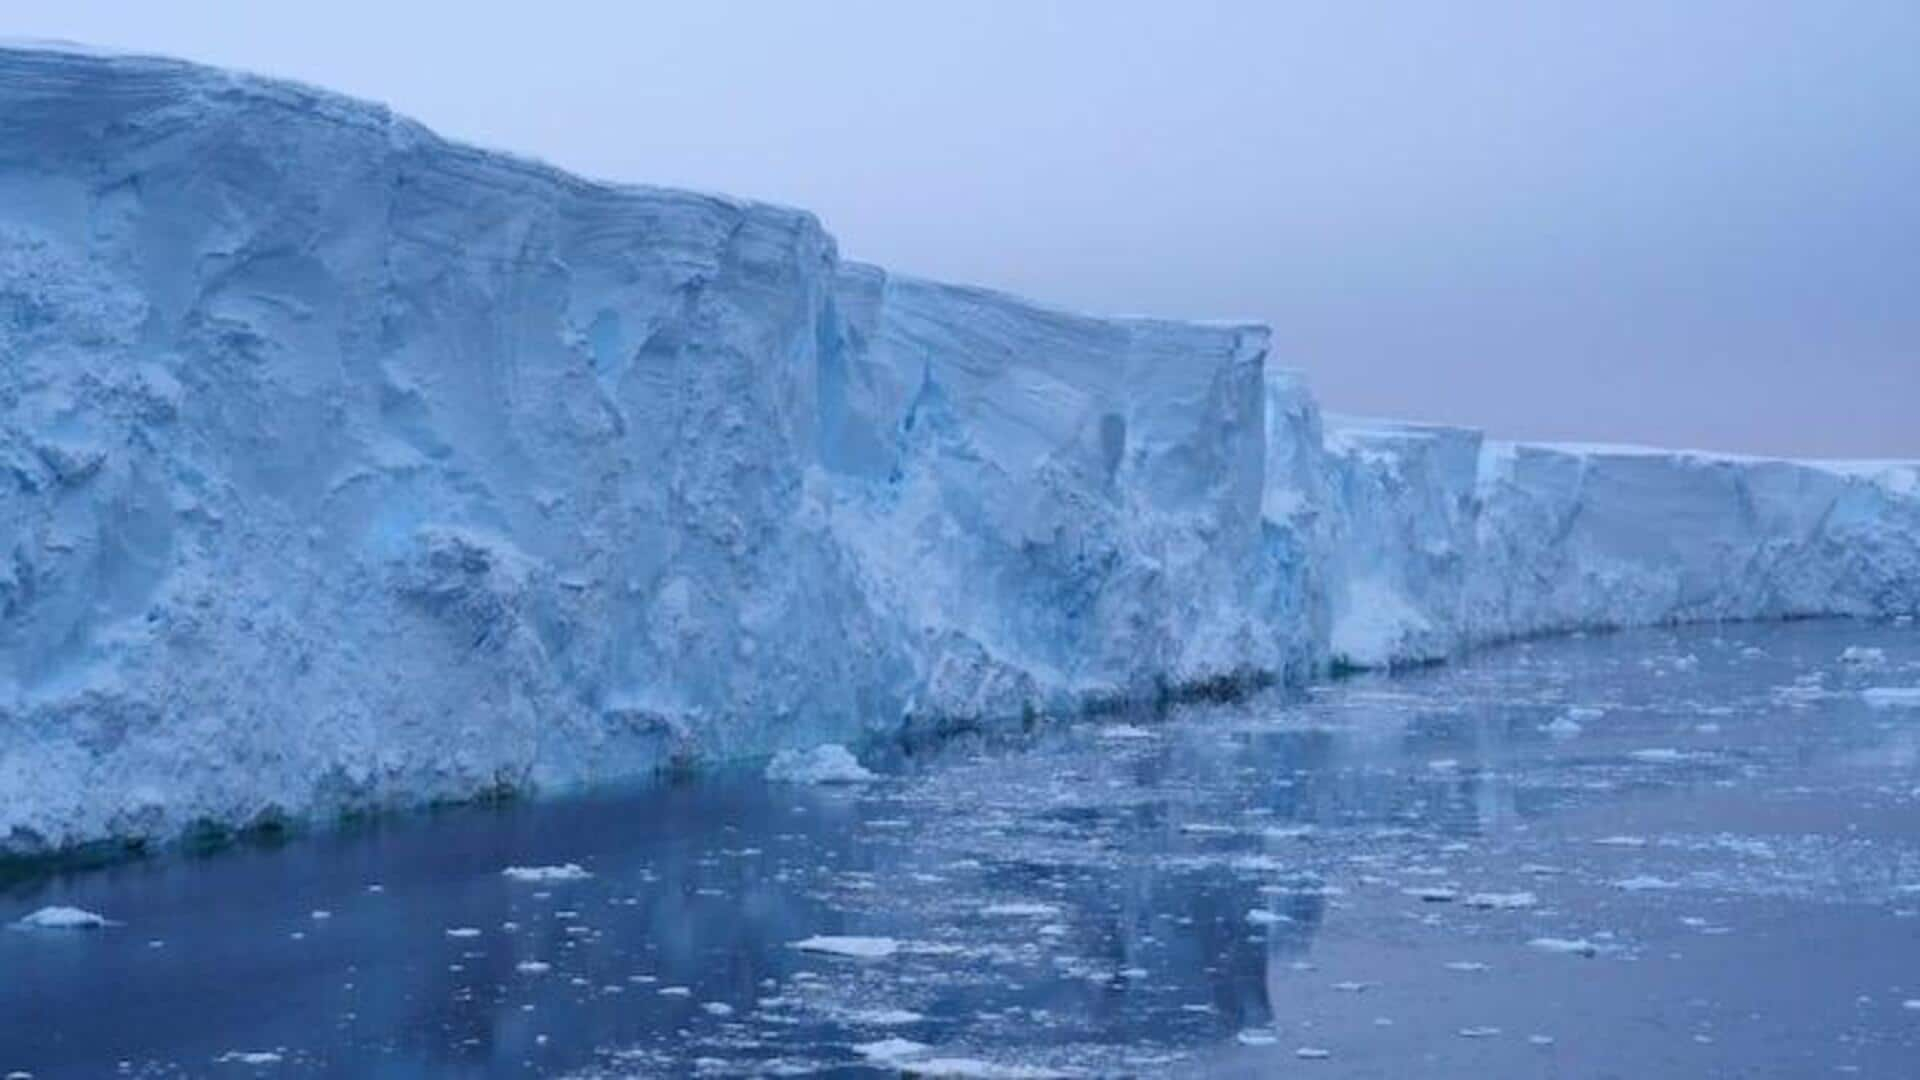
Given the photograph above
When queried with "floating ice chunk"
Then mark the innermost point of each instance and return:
(1622, 841)
(1911, 1003)
(1263, 917)
(1572, 946)
(975, 1069)
(1479, 1032)
(463, 931)
(717, 1008)
(860, 948)
(59, 917)
(1863, 656)
(1502, 901)
(1312, 1053)
(1289, 832)
(1351, 987)
(1251, 1037)
(1645, 883)
(828, 764)
(1465, 965)
(674, 991)
(546, 874)
(1892, 697)
(1563, 727)
(533, 967)
(1657, 754)
(885, 1017)
(1022, 910)
(890, 1050)
(255, 1058)
(1540, 1040)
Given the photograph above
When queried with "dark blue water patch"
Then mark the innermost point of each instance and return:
(1210, 891)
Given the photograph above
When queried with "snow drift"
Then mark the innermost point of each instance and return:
(346, 467)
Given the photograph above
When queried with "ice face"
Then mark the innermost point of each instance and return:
(1454, 541)
(1057, 506)
(348, 467)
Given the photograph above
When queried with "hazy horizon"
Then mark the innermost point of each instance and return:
(1691, 227)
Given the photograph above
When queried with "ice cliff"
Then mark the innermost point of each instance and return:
(344, 467)
(1448, 540)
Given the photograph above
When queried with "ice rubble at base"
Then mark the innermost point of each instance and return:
(827, 764)
(346, 467)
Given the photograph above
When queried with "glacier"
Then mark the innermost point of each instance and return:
(349, 468)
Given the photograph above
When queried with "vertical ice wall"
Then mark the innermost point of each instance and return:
(1449, 541)
(343, 467)
(1060, 509)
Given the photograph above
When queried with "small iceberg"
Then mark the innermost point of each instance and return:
(58, 917)
(828, 764)
(1512, 901)
(890, 1051)
(1892, 697)
(1021, 910)
(1645, 883)
(1570, 946)
(1565, 727)
(546, 875)
(859, 948)
(885, 1017)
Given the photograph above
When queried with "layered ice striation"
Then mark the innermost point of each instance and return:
(344, 467)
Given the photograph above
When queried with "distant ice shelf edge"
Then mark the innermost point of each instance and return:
(349, 468)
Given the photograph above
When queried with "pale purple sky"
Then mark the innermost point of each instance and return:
(1687, 223)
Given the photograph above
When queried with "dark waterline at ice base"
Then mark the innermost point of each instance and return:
(1657, 853)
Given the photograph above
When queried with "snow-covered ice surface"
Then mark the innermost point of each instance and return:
(350, 468)
(1059, 902)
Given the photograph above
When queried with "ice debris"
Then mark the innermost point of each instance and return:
(546, 874)
(1892, 697)
(860, 948)
(59, 917)
(827, 764)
